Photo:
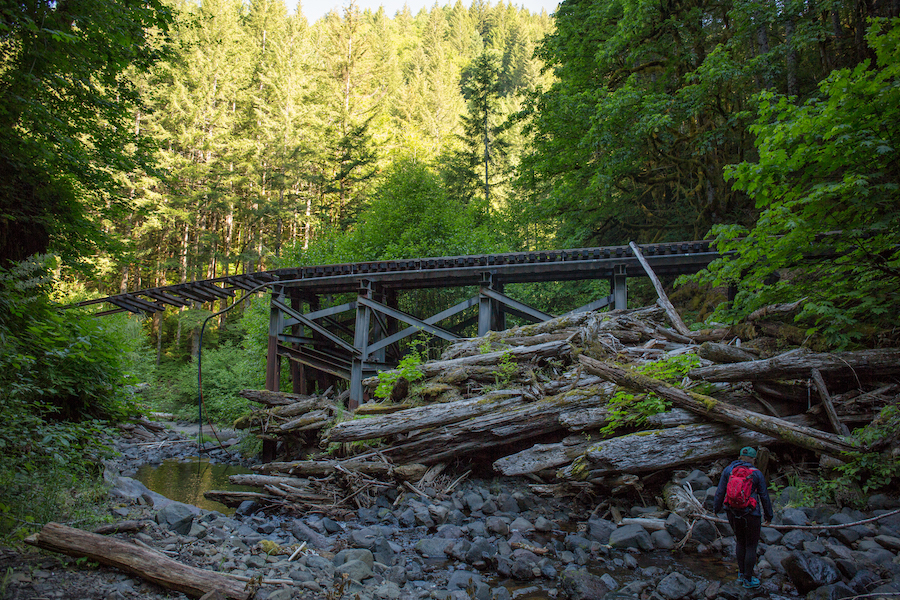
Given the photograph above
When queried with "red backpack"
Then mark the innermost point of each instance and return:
(738, 494)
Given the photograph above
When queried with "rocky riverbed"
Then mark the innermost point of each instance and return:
(484, 538)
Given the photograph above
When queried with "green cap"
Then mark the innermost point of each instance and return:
(748, 451)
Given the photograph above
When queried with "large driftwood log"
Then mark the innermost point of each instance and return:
(498, 428)
(517, 354)
(274, 398)
(800, 363)
(805, 437)
(544, 456)
(320, 468)
(422, 416)
(143, 562)
(278, 412)
(724, 353)
(661, 449)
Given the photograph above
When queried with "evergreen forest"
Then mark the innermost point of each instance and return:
(145, 143)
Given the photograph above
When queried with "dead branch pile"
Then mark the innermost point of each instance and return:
(535, 401)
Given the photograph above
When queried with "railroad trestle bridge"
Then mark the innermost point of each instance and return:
(355, 339)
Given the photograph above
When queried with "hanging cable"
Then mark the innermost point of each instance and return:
(200, 360)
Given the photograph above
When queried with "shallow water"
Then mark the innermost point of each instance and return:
(186, 480)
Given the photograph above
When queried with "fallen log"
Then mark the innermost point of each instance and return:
(724, 353)
(232, 498)
(828, 404)
(129, 557)
(673, 315)
(281, 412)
(270, 398)
(517, 353)
(497, 428)
(661, 449)
(805, 437)
(543, 456)
(320, 468)
(421, 417)
(800, 363)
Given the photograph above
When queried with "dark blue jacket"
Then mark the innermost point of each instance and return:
(759, 490)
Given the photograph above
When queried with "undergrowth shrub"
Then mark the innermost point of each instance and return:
(62, 380)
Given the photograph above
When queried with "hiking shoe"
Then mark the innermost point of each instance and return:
(751, 583)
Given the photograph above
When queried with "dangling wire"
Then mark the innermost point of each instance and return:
(200, 360)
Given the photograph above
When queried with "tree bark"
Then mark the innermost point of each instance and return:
(129, 557)
(799, 364)
(711, 408)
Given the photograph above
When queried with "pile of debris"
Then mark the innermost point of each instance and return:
(556, 402)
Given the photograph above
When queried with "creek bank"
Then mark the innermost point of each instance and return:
(489, 539)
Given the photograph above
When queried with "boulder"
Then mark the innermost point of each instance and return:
(835, 591)
(599, 530)
(675, 586)
(578, 584)
(176, 517)
(809, 572)
(631, 536)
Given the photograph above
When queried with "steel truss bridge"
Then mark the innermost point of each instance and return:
(357, 338)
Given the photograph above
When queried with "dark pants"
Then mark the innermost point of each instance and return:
(746, 533)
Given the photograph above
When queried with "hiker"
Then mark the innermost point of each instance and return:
(742, 490)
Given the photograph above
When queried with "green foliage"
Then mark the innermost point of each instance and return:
(507, 367)
(66, 121)
(408, 369)
(226, 371)
(826, 183)
(874, 471)
(62, 376)
(630, 410)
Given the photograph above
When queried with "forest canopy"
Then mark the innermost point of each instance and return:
(157, 143)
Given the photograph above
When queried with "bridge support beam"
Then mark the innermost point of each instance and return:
(361, 343)
(491, 316)
(619, 290)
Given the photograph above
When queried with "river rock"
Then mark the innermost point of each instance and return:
(888, 542)
(581, 585)
(835, 591)
(524, 565)
(808, 571)
(631, 536)
(662, 540)
(599, 530)
(433, 547)
(481, 554)
(675, 586)
(305, 533)
(769, 535)
(794, 516)
(794, 539)
(470, 583)
(177, 517)
(497, 525)
(676, 526)
(883, 502)
(355, 569)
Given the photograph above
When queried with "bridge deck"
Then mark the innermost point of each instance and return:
(454, 271)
